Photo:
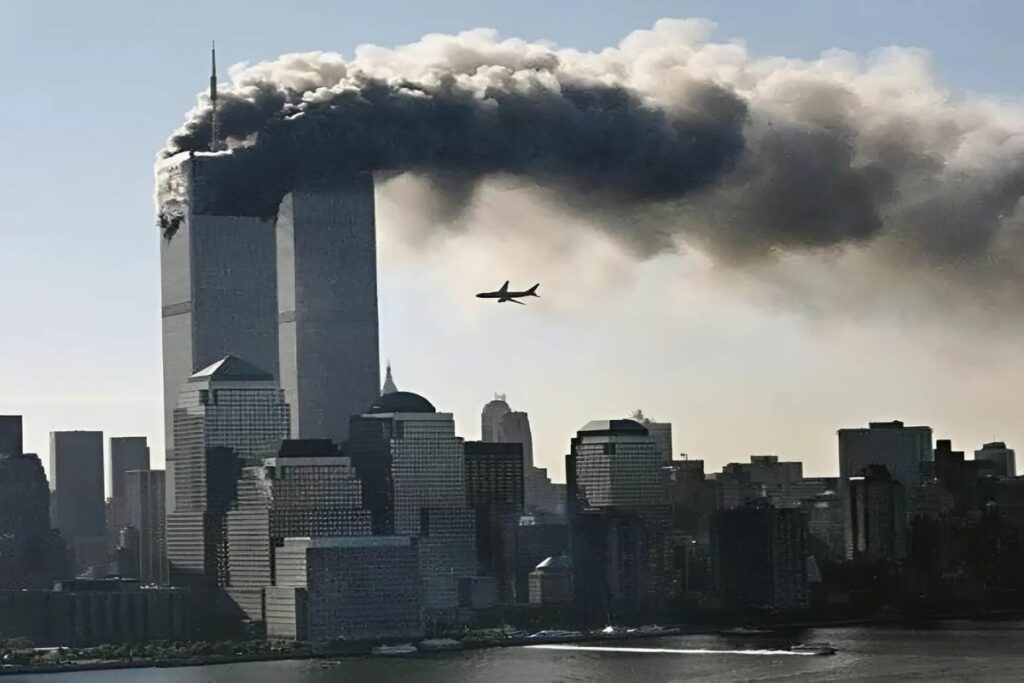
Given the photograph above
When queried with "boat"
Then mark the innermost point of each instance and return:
(743, 631)
(813, 648)
(610, 630)
(555, 635)
(403, 649)
(439, 644)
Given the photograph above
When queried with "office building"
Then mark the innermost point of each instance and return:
(825, 535)
(1004, 458)
(412, 467)
(356, 588)
(126, 453)
(228, 413)
(537, 538)
(693, 497)
(490, 418)
(76, 482)
(25, 559)
(619, 516)
(970, 482)
(764, 477)
(759, 557)
(10, 435)
(661, 432)
(327, 304)
(145, 511)
(494, 490)
(905, 451)
(83, 613)
(875, 517)
(218, 282)
(305, 488)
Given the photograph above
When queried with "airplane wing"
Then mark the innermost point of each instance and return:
(504, 288)
(516, 301)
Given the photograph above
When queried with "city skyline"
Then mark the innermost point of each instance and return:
(700, 369)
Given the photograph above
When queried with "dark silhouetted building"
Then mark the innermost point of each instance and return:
(905, 451)
(327, 304)
(25, 538)
(145, 510)
(1004, 458)
(494, 490)
(76, 480)
(126, 453)
(10, 435)
(875, 517)
(760, 557)
(537, 538)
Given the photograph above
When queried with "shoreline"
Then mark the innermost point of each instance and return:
(365, 649)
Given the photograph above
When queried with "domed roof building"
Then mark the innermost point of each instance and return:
(401, 402)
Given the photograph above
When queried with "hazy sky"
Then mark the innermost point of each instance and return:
(93, 90)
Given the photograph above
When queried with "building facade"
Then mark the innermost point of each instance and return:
(145, 510)
(76, 483)
(25, 540)
(327, 304)
(11, 435)
(1004, 458)
(357, 588)
(875, 517)
(228, 413)
(906, 452)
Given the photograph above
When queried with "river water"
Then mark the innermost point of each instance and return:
(952, 650)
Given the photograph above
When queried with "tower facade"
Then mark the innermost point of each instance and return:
(327, 305)
(76, 480)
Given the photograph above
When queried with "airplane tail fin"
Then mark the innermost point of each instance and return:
(532, 291)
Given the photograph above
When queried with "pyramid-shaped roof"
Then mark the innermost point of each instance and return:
(234, 369)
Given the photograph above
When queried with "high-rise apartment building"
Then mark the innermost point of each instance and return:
(305, 488)
(228, 413)
(327, 304)
(145, 510)
(905, 451)
(76, 482)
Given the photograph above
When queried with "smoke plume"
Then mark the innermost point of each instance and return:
(667, 139)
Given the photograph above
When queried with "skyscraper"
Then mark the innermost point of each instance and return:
(76, 480)
(413, 473)
(619, 517)
(24, 522)
(10, 435)
(661, 432)
(875, 521)
(126, 453)
(997, 452)
(905, 451)
(494, 490)
(145, 510)
(327, 304)
(304, 488)
(218, 286)
(490, 418)
(290, 288)
(229, 412)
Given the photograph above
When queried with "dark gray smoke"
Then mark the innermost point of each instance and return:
(667, 138)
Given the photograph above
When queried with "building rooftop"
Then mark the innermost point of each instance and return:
(555, 563)
(614, 427)
(233, 368)
(401, 402)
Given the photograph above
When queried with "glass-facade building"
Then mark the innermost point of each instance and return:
(145, 510)
(228, 413)
(307, 488)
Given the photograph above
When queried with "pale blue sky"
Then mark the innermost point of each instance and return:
(93, 89)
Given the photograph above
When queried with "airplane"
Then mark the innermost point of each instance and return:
(503, 295)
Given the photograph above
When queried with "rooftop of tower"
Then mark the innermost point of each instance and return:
(233, 368)
(601, 427)
(401, 402)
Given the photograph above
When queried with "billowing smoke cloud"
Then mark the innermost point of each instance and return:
(666, 139)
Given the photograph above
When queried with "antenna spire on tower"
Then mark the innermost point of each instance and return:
(214, 142)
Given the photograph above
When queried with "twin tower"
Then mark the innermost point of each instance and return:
(295, 294)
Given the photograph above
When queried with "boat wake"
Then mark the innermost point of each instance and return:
(670, 651)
